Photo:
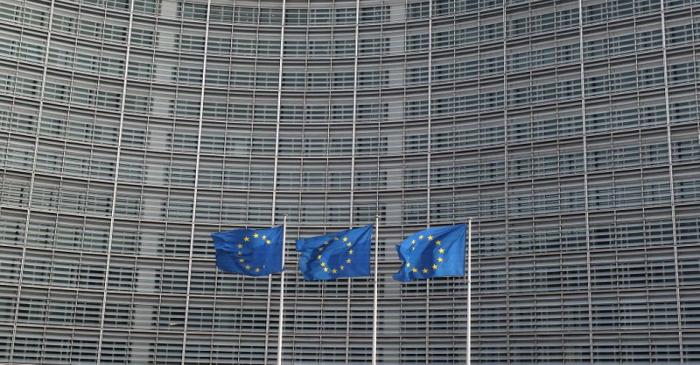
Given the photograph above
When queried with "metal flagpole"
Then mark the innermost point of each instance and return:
(376, 286)
(469, 293)
(281, 318)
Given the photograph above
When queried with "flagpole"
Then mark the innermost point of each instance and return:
(376, 286)
(469, 293)
(281, 317)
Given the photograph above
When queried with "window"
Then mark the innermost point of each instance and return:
(374, 14)
(419, 10)
(192, 11)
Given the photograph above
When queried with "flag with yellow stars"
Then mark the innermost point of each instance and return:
(252, 252)
(343, 254)
(432, 252)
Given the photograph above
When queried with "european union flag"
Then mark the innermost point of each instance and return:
(253, 252)
(343, 254)
(432, 252)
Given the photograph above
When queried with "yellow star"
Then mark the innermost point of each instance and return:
(264, 237)
(239, 245)
(247, 267)
(349, 261)
(256, 235)
(323, 264)
(408, 264)
(334, 271)
(240, 253)
(439, 259)
(442, 250)
(414, 270)
(320, 249)
(438, 242)
(425, 271)
(318, 257)
(241, 260)
(345, 239)
(246, 238)
(435, 267)
(257, 269)
(325, 269)
(335, 238)
(342, 267)
(414, 241)
(430, 238)
(420, 237)
(348, 244)
(350, 252)
(268, 242)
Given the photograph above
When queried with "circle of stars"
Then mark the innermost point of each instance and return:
(436, 264)
(334, 269)
(247, 241)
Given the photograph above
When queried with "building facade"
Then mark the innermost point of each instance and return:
(131, 129)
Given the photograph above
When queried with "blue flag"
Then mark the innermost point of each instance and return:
(253, 252)
(432, 252)
(343, 254)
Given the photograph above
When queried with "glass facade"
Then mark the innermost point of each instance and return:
(131, 129)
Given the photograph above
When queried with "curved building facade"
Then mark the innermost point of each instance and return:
(131, 129)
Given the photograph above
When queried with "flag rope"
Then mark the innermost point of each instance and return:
(280, 326)
(469, 292)
(376, 287)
